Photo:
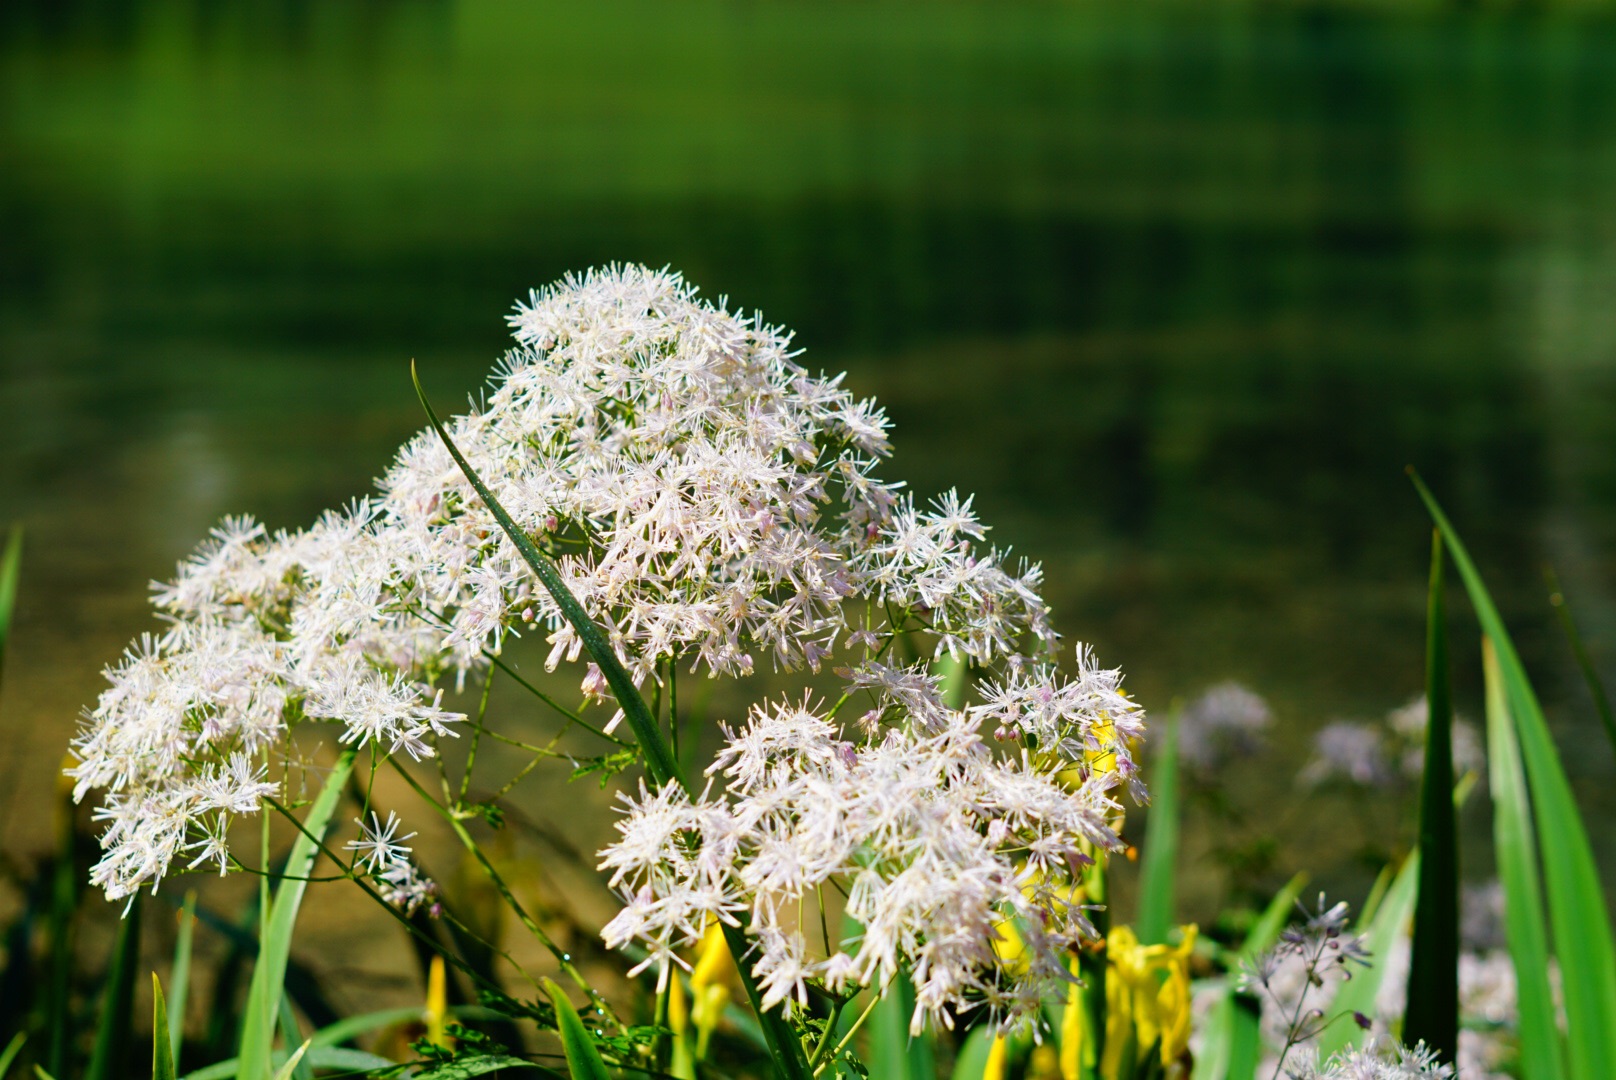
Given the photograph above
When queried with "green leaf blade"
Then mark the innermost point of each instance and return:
(114, 1031)
(1158, 866)
(260, 1015)
(162, 1047)
(1358, 994)
(1525, 924)
(583, 1060)
(1578, 916)
(1432, 1014)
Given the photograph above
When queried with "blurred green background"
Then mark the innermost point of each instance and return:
(1178, 289)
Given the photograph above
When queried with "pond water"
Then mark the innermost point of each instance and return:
(1177, 289)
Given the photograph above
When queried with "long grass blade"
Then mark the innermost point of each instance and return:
(784, 1047)
(1159, 863)
(162, 1048)
(893, 1051)
(10, 573)
(114, 1030)
(1358, 994)
(180, 976)
(1219, 1037)
(1525, 925)
(293, 1064)
(583, 1060)
(1245, 1037)
(9, 1054)
(1585, 663)
(269, 973)
(1432, 1015)
(291, 1035)
(1578, 916)
(972, 1059)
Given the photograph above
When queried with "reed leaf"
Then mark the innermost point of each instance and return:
(1357, 995)
(583, 1060)
(1219, 1037)
(9, 1054)
(265, 991)
(10, 573)
(893, 1052)
(1585, 663)
(1432, 1015)
(115, 1028)
(1158, 865)
(1578, 917)
(784, 1047)
(1525, 925)
(162, 1048)
(972, 1059)
(293, 1064)
(180, 976)
(1245, 1037)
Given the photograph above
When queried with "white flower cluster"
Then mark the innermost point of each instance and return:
(387, 859)
(1391, 1061)
(715, 504)
(939, 845)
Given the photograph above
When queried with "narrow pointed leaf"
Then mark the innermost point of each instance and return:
(583, 1060)
(1266, 930)
(1357, 995)
(1158, 863)
(10, 573)
(162, 1049)
(1432, 1015)
(180, 977)
(9, 1054)
(290, 1069)
(1585, 663)
(1525, 926)
(1578, 916)
(291, 1036)
(893, 1051)
(269, 973)
(1245, 1037)
(973, 1056)
(116, 1023)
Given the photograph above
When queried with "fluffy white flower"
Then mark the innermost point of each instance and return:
(700, 492)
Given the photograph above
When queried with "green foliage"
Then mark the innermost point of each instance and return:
(10, 572)
(583, 1060)
(1578, 916)
(269, 973)
(1380, 931)
(9, 1054)
(1585, 663)
(181, 973)
(1515, 849)
(893, 1054)
(162, 1045)
(1432, 1015)
(113, 1033)
(1159, 861)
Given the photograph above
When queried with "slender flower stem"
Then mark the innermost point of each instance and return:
(476, 735)
(830, 1033)
(875, 999)
(561, 956)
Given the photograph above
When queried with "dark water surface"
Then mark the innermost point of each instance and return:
(1177, 290)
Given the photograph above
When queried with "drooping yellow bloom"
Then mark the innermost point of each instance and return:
(709, 986)
(437, 1003)
(1147, 997)
(997, 1067)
